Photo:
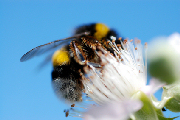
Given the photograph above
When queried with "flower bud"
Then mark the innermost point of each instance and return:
(164, 60)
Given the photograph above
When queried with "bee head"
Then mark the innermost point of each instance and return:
(98, 30)
(111, 35)
(102, 31)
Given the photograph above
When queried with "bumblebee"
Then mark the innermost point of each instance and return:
(70, 56)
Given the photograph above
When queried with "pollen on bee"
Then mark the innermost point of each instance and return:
(91, 91)
(72, 105)
(83, 38)
(119, 54)
(112, 54)
(103, 63)
(108, 42)
(145, 45)
(91, 77)
(120, 38)
(118, 45)
(120, 49)
(79, 70)
(84, 91)
(80, 99)
(66, 113)
(86, 68)
(137, 41)
(99, 46)
(113, 40)
(106, 54)
(125, 41)
(93, 47)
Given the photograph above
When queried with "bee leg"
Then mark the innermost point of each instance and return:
(78, 53)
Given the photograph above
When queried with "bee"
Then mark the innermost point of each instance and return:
(70, 56)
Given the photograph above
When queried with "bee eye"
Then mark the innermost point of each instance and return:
(87, 33)
(112, 38)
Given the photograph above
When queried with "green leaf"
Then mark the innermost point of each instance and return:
(172, 92)
(173, 105)
(148, 111)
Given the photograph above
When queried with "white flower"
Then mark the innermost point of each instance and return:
(164, 58)
(113, 110)
(174, 41)
(119, 79)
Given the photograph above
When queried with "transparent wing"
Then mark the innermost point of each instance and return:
(45, 62)
(51, 46)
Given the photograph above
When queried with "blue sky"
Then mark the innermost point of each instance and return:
(24, 24)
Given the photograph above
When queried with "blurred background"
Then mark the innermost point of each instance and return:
(27, 94)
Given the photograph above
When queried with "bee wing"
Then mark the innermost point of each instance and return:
(45, 62)
(51, 46)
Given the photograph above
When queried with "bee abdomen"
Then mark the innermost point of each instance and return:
(67, 83)
(67, 89)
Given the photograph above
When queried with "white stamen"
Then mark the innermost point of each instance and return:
(120, 77)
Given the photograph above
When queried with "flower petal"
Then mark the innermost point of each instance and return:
(113, 111)
(153, 86)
